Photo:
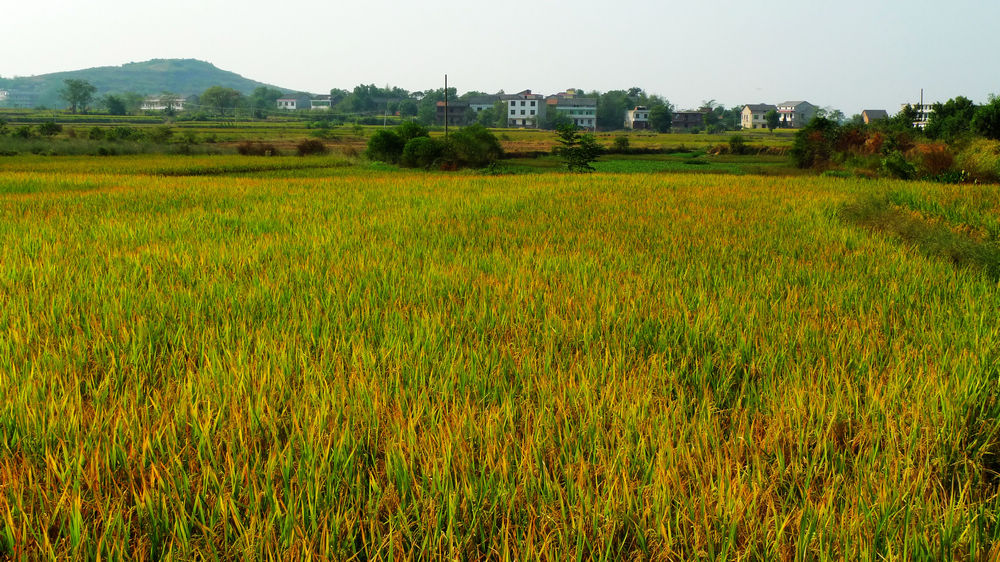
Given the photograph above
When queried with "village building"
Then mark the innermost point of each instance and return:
(637, 118)
(870, 115)
(524, 109)
(754, 115)
(795, 114)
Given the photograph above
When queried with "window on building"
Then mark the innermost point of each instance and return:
(522, 112)
(532, 111)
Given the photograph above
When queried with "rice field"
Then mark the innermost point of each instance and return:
(200, 362)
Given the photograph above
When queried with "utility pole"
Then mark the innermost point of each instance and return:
(445, 107)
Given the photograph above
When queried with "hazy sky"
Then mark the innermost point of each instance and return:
(849, 54)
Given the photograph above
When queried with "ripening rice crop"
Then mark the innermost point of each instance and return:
(385, 365)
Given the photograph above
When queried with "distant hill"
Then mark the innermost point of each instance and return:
(179, 76)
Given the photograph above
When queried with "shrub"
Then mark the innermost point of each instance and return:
(737, 144)
(23, 132)
(96, 133)
(473, 146)
(248, 148)
(160, 134)
(986, 120)
(621, 144)
(122, 134)
(813, 144)
(409, 130)
(422, 152)
(49, 128)
(311, 146)
(896, 166)
(981, 160)
(385, 146)
(933, 159)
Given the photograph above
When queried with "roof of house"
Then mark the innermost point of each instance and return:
(576, 102)
(795, 103)
(483, 100)
(876, 113)
(522, 95)
(760, 107)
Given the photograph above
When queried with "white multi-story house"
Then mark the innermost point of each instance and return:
(163, 102)
(581, 111)
(524, 109)
(753, 115)
(290, 104)
(923, 110)
(3, 96)
(637, 118)
(795, 114)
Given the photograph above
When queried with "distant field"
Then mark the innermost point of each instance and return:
(288, 131)
(226, 357)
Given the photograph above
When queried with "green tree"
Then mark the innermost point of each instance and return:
(577, 151)
(409, 130)
(473, 146)
(114, 105)
(77, 94)
(220, 99)
(421, 152)
(611, 108)
(661, 117)
(407, 108)
(386, 146)
(950, 120)
(813, 145)
(264, 99)
(710, 119)
(772, 119)
(986, 120)
(133, 102)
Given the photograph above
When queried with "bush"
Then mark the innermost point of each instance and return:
(49, 128)
(248, 148)
(409, 130)
(473, 146)
(160, 134)
(96, 133)
(986, 120)
(23, 132)
(385, 146)
(122, 134)
(896, 166)
(422, 152)
(311, 146)
(981, 160)
(620, 145)
(737, 145)
(813, 144)
(933, 159)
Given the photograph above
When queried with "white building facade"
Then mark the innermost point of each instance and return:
(795, 114)
(754, 115)
(162, 103)
(524, 109)
(637, 118)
